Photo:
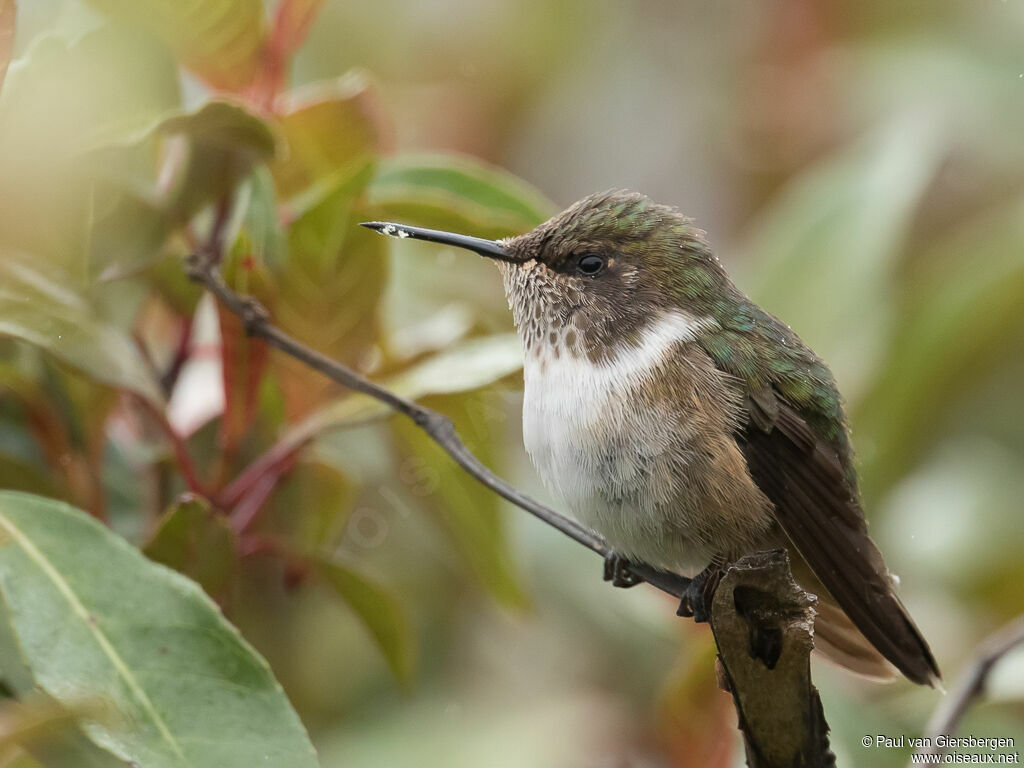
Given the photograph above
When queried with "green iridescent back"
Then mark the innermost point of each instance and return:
(761, 350)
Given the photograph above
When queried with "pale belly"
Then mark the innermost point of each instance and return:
(660, 478)
(618, 467)
(605, 474)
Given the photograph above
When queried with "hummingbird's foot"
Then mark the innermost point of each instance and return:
(697, 599)
(616, 570)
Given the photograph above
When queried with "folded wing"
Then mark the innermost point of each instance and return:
(815, 506)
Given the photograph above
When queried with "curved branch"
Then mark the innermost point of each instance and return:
(764, 625)
(970, 686)
(203, 269)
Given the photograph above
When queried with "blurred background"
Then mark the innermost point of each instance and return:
(857, 165)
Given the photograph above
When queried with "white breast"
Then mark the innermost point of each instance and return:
(594, 443)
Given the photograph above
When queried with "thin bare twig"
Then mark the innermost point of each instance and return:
(203, 268)
(970, 686)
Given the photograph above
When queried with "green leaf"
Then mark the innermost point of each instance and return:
(225, 141)
(329, 297)
(68, 750)
(194, 540)
(20, 475)
(219, 40)
(331, 136)
(310, 507)
(264, 237)
(835, 233)
(965, 310)
(379, 610)
(65, 96)
(470, 365)
(93, 617)
(127, 235)
(469, 512)
(316, 239)
(462, 368)
(207, 153)
(455, 192)
(333, 278)
(37, 306)
(167, 279)
(59, 749)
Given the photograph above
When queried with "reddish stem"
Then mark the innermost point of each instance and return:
(80, 474)
(277, 460)
(260, 545)
(181, 356)
(184, 459)
(248, 508)
(290, 27)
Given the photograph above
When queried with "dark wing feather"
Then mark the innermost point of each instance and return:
(802, 476)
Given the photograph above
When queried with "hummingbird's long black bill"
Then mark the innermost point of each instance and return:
(489, 248)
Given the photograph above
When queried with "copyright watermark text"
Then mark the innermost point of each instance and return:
(949, 750)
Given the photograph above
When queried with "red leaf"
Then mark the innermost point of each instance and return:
(291, 25)
(243, 361)
(292, 22)
(221, 41)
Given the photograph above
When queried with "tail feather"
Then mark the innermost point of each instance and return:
(837, 637)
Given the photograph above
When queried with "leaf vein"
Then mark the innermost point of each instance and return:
(107, 647)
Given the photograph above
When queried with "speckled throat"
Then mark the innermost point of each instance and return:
(555, 317)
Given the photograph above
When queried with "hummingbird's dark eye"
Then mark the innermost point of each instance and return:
(590, 264)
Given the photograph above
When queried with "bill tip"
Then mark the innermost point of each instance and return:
(386, 228)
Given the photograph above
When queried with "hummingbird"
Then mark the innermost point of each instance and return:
(685, 424)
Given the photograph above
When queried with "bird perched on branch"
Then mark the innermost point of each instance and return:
(687, 425)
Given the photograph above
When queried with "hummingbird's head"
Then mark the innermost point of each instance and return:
(597, 272)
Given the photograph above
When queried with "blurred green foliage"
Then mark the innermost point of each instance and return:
(859, 166)
(142, 640)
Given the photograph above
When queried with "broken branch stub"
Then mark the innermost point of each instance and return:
(763, 624)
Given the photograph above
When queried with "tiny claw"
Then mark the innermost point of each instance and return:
(696, 601)
(616, 570)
